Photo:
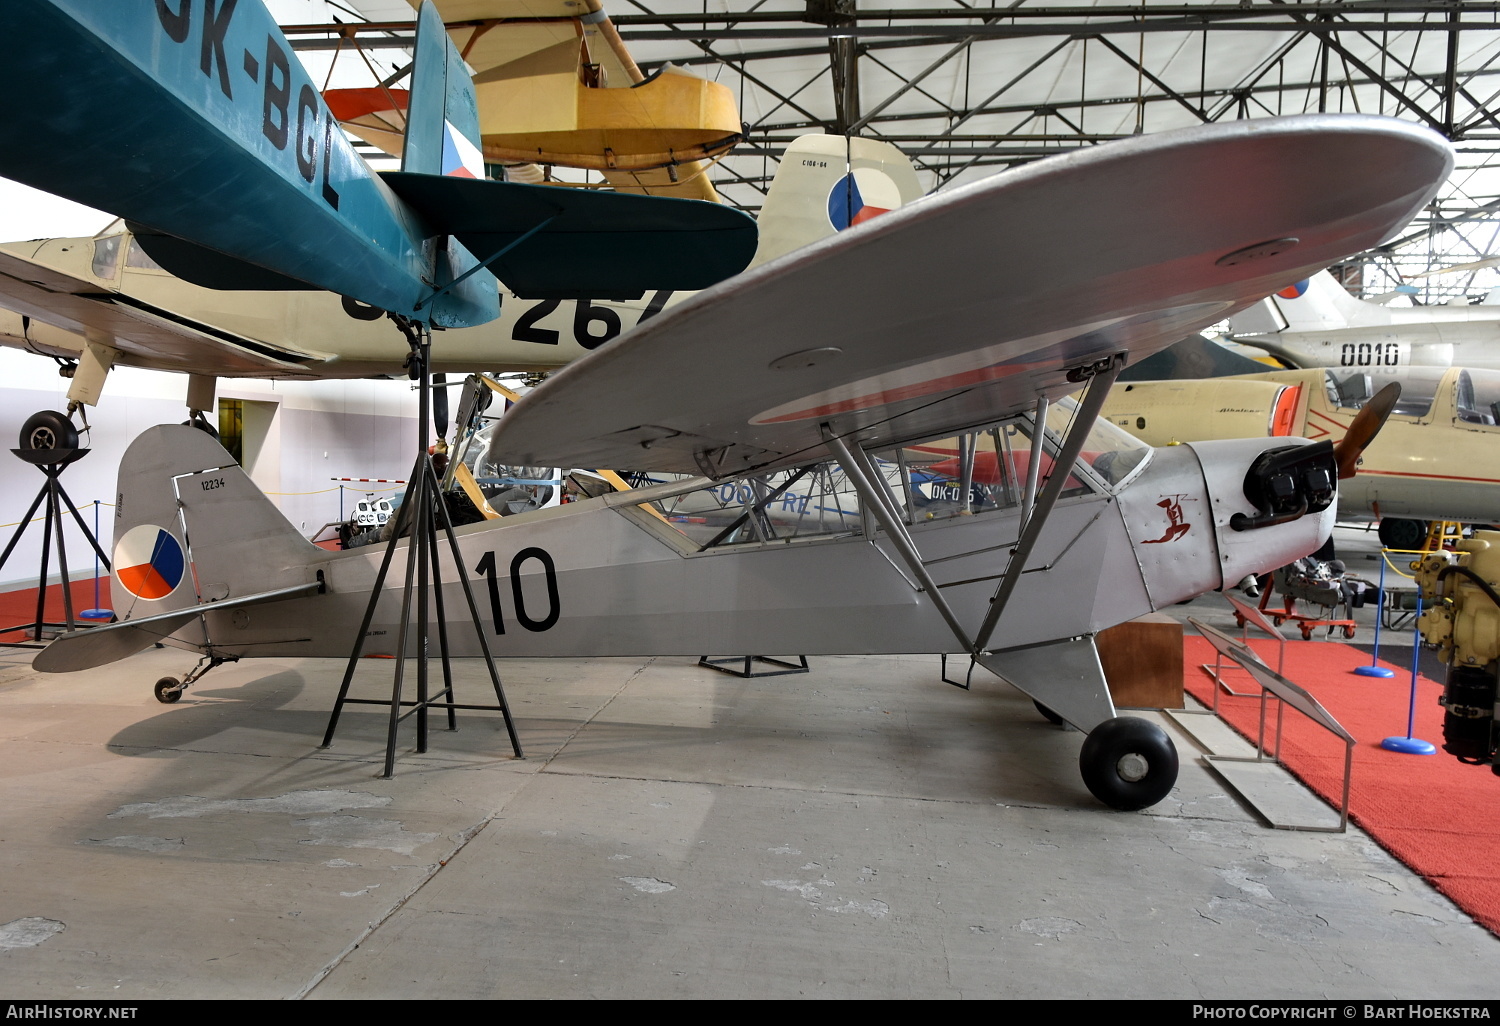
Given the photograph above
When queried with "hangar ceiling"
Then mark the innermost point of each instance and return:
(969, 90)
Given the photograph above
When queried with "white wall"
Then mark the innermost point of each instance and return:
(316, 430)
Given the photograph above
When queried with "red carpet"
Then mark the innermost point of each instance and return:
(19, 607)
(1432, 812)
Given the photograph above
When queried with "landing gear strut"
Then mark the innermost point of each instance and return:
(170, 689)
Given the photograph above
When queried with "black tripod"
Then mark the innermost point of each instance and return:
(51, 462)
(419, 517)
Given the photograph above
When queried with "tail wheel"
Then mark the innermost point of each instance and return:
(48, 430)
(1128, 763)
(168, 690)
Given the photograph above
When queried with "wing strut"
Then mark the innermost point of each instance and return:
(1036, 517)
(877, 500)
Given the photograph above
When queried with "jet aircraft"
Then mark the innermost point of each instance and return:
(1315, 322)
(922, 323)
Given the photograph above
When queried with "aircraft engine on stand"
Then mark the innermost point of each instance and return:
(1461, 595)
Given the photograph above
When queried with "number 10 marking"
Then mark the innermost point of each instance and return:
(486, 568)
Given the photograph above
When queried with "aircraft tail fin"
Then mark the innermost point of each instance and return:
(828, 183)
(1318, 303)
(191, 527)
(442, 114)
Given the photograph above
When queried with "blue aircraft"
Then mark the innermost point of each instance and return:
(194, 120)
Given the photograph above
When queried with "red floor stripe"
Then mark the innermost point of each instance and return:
(19, 607)
(1432, 812)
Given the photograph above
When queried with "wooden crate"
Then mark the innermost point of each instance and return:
(1143, 662)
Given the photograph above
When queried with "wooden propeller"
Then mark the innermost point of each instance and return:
(1367, 424)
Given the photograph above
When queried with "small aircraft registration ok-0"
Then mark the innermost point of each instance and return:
(980, 307)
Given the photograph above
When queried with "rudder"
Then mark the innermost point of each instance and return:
(190, 526)
(442, 117)
(828, 183)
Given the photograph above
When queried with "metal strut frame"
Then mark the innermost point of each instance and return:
(865, 478)
(419, 517)
(52, 463)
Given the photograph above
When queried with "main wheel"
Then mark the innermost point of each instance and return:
(168, 690)
(1128, 763)
(48, 430)
(1396, 533)
(1048, 714)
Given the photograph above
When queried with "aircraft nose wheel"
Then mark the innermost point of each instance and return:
(1128, 763)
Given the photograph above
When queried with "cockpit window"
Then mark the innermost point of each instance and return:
(135, 256)
(1114, 454)
(1478, 399)
(106, 256)
(1351, 389)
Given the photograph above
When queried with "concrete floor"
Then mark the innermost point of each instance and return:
(860, 831)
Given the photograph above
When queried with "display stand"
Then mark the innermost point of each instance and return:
(419, 519)
(784, 667)
(50, 462)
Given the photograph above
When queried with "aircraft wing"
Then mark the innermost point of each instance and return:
(152, 336)
(960, 310)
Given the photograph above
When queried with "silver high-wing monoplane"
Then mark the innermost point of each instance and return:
(979, 309)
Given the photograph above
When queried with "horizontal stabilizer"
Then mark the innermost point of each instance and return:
(587, 245)
(212, 270)
(97, 646)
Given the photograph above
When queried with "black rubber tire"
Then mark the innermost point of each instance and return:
(1396, 533)
(1146, 745)
(168, 690)
(1048, 714)
(47, 430)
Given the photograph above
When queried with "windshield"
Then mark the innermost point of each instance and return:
(1351, 389)
(1113, 453)
(1478, 400)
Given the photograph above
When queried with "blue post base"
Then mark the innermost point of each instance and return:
(97, 614)
(1374, 671)
(1408, 745)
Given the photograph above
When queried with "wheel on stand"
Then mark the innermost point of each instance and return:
(1128, 763)
(168, 690)
(1349, 632)
(1306, 632)
(48, 429)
